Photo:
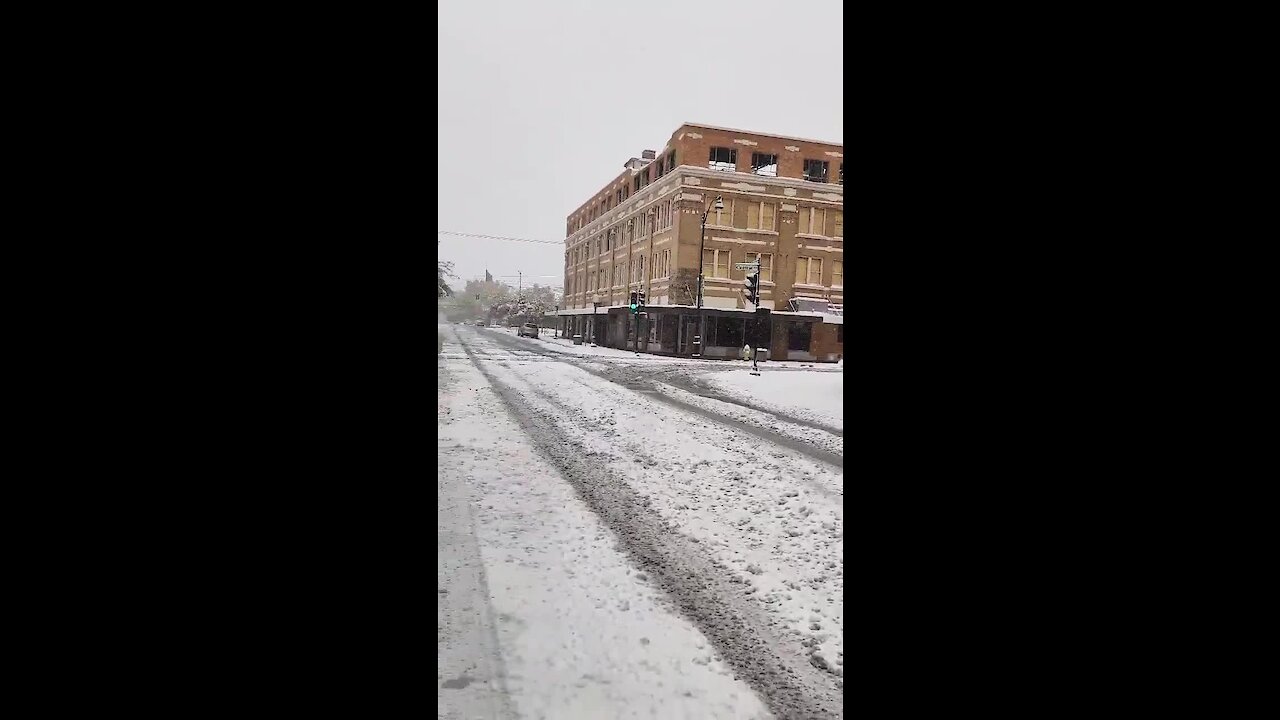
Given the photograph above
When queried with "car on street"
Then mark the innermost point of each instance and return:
(479, 323)
(527, 330)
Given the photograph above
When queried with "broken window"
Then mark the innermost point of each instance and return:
(815, 170)
(762, 164)
(724, 159)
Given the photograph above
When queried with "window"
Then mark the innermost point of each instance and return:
(658, 264)
(727, 332)
(799, 335)
(815, 170)
(723, 218)
(808, 271)
(766, 265)
(660, 166)
(626, 192)
(837, 273)
(725, 159)
(762, 164)
(664, 217)
(840, 334)
(715, 263)
(812, 220)
(671, 161)
(619, 197)
(760, 215)
(829, 227)
(838, 229)
(635, 182)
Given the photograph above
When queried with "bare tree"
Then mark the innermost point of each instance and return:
(443, 270)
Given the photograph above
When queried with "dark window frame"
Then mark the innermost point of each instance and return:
(756, 163)
(730, 332)
(809, 174)
(795, 332)
(722, 156)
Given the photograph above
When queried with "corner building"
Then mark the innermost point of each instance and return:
(783, 203)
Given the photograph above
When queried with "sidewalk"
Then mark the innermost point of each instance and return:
(548, 341)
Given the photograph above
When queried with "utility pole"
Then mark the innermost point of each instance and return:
(702, 244)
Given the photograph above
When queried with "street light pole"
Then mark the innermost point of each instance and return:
(702, 241)
(650, 218)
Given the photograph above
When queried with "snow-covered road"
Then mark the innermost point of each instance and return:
(647, 550)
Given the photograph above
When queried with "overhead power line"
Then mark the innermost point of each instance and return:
(498, 237)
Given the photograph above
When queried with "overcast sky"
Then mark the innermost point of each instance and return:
(541, 104)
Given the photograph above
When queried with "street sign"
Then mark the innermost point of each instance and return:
(751, 268)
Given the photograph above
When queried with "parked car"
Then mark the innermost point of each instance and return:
(480, 323)
(527, 330)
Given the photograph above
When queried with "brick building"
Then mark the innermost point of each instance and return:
(783, 204)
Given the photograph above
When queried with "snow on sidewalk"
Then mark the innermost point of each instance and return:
(814, 396)
(582, 635)
(564, 345)
(818, 438)
(773, 517)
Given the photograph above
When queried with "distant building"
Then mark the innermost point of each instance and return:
(783, 204)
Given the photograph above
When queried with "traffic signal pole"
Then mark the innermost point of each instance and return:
(752, 296)
(636, 307)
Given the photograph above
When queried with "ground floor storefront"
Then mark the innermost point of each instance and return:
(709, 332)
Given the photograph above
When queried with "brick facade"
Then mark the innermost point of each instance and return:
(643, 228)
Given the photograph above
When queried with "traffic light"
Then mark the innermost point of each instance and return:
(640, 299)
(753, 288)
(633, 305)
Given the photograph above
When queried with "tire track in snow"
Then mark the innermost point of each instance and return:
(706, 591)
(677, 377)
